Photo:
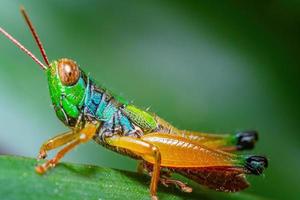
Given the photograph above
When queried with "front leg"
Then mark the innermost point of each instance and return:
(79, 137)
(56, 142)
(143, 149)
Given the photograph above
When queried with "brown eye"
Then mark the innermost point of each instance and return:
(68, 72)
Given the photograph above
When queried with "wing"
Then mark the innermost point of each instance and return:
(241, 140)
(213, 141)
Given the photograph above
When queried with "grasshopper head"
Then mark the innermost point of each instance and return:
(67, 85)
(67, 82)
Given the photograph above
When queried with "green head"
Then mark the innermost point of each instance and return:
(67, 86)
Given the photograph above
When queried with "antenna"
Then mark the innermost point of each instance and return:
(18, 44)
(35, 35)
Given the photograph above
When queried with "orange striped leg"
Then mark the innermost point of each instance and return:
(56, 142)
(143, 149)
(82, 136)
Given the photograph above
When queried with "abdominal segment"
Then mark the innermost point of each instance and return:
(220, 179)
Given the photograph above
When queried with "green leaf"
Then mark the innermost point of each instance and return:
(18, 181)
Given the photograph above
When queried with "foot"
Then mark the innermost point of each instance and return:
(154, 197)
(41, 169)
(42, 155)
(182, 186)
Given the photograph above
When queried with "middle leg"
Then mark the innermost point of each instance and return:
(165, 176)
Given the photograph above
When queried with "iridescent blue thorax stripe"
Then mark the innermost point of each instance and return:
(101, 106)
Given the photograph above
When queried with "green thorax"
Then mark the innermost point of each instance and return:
(146, 121)
(70, 101)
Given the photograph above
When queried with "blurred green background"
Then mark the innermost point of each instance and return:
(216, 66)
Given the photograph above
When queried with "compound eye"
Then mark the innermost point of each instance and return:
(68, 72)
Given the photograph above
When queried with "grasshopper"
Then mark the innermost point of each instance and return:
(92, 112)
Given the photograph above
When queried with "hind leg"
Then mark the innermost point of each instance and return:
(146, 150)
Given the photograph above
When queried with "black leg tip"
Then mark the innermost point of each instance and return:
(256, 164)
(246, 140)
